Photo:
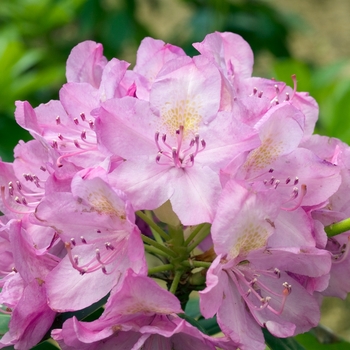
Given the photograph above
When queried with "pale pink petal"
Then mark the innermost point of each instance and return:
(211, 297)
(306, 261)
(152, 55)
(230, 51)
(236, 321)
(85, 63)
(244, 220)
(30, 319)
(293, 229)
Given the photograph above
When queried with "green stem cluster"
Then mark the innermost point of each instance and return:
(176, 250)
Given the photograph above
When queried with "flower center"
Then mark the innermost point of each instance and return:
(105, 256)
(179, 156)
(256, 294)
(20, 201)
(78, 139)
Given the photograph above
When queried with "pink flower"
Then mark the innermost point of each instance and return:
(24, 291)
(176, 143)
(138, 314)
(253, 283)
(101, 239)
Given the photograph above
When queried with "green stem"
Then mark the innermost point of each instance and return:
(154, 250)
(158, 245)
(156, 235)
(338, 227)
(203, 233)
(152, 224)
(160, 268)
(193, 233)
(196, 264)
(175, 282)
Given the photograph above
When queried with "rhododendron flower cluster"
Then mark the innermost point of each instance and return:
(182, 169)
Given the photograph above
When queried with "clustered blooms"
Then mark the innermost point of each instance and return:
(186, 169)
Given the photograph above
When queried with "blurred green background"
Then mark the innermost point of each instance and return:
(287, 37)
(306, 38)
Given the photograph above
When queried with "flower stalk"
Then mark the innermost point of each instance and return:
(338, 228)
(152, 224)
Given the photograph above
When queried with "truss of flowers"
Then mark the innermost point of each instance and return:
(183, 169)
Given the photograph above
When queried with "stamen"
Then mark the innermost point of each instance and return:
(76, 121)
(191, 161)
(177, 156)
(296, 194)
(164, 141)
(6, 204)
(156, 139)
(109, 246)
(59, 159)
(76, 260)
(73, 260)
(98, 255)
(342, 255)
(82, 116)
(58, 120)
(287, 288)
(76, 143)
(11, 190)
(277, 272)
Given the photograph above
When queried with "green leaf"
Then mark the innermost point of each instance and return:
(210, 325)
(84, 313)
(281, 343)
(283, 70)
(207, 326)
(45, 345)
(192, 308)
(4, 321)
(193, 322)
